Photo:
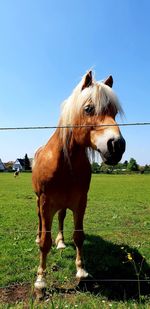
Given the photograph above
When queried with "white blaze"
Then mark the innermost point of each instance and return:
(101, 140)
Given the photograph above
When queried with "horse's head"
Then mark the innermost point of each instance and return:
(93, 106)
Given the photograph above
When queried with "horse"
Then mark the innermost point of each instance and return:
(61, 170)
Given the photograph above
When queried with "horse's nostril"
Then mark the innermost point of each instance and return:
(119, 145)
(110, 145)
(115, 146)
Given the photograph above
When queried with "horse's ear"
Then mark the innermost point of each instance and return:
(87, 81)
(109, 81)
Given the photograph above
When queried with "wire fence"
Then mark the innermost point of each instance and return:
(133, 228)
(74, 230)
(68, 126)
(75, 126)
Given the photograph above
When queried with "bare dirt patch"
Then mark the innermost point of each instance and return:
(15, 293)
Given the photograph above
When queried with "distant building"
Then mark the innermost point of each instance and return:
(19, 164)
(2, 166)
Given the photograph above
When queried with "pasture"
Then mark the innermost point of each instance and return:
(116, 249)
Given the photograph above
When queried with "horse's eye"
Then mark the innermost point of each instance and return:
(89, 109)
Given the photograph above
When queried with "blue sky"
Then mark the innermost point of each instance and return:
(45, 48)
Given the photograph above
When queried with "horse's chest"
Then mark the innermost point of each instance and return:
(72, 182)
(67, 191)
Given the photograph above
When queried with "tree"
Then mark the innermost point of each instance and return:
(104, 168)
(95, 168)
(132, 165)
(9, 166)
(125, 164)
(147, 168)
(27, 163)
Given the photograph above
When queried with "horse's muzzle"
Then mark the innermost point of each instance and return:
(115, 150)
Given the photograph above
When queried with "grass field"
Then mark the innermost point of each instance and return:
(117, 246)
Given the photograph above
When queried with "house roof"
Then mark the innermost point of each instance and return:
(21, 161)
(2, 166)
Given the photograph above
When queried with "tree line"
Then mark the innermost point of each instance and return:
(126, 166)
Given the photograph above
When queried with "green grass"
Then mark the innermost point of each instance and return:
(117, 222)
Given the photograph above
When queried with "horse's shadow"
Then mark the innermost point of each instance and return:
(118, 271)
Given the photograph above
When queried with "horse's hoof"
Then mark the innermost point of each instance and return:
(61, 245)
(81, 274)
(37, 240)
(40, 283)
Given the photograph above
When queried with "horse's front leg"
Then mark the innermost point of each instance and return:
(78, 237)
(45, 243)
(60, 237)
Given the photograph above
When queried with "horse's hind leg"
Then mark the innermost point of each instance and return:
(38, 236)
(45, 243)
(78, 237)
(60, 237)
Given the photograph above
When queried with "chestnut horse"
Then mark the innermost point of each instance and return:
(61, 169)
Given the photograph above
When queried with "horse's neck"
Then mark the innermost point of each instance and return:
(70, 156)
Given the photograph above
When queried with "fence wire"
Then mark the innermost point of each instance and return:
(74, 230)
(68, 126)
(86, 280)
